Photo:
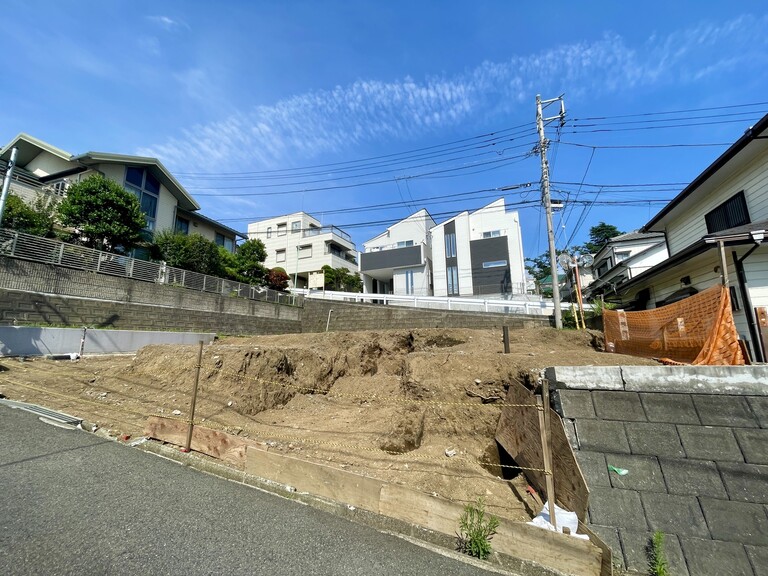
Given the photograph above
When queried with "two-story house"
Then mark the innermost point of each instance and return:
(44, 169)
(299, 244)
(622, 258)
(718, 222)
(479, 253)
(399, 260)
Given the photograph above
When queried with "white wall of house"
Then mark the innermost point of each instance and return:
(689, 226)
(419, 276)
(414, 228)
(298, 254)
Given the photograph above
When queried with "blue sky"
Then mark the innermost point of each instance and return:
(364, 112)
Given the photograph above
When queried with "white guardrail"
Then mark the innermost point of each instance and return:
(542, 307)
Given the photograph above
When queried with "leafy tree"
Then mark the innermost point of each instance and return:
(104, 215)
(599, 236)
(37, 219)
(342, 279)
(277, 279)
(249, 261)
(189, 252)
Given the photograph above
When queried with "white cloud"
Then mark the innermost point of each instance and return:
(312, 123)
(167, 22)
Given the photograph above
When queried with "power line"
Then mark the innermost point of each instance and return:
(640, 114)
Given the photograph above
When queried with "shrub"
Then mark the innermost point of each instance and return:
(476, 530)
(657, 560)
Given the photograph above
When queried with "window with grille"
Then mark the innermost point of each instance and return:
(731, 213)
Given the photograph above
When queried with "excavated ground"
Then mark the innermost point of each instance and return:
(388, 404)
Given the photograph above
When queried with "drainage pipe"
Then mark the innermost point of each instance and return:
(328, 323)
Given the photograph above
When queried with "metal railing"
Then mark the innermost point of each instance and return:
(48, 251)
(521, 305)
(307, 233)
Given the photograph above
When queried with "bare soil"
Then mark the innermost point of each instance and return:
(394, 405)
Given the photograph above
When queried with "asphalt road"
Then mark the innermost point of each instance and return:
(74, 503)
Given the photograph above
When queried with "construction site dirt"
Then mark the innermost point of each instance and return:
(412, 407)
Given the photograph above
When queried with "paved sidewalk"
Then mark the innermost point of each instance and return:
(698, 471)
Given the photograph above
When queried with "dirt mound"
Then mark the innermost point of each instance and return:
(409, 406)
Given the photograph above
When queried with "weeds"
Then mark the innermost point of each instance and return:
(657, 560)
(476, 530)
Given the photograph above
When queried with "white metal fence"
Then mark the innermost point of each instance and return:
(533, 306)
(48, 251)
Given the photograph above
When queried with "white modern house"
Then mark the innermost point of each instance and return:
(44, 169)
(622, 258)
(479, 254)
(299, 244)
(720, 220)
(399, 260)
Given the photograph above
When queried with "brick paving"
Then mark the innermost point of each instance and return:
(698, 471)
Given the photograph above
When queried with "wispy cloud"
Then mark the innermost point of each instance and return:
(167, 22)
(316, 122)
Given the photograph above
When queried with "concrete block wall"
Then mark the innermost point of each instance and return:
(349, 317)
(18, 307)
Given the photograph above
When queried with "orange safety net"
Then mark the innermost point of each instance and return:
(696, 330)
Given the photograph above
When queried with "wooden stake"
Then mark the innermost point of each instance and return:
(505, 337)
(542, 404)
(194, 398)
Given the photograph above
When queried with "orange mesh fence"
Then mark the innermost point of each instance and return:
(697, 330)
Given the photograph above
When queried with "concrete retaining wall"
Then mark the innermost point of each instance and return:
(348, 317)
(33, 341)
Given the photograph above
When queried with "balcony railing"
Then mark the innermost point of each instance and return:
(327, 230)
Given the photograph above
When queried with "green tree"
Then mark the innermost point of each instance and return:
(599, 236)
(249, 261)
(189, 252)
(277, 279)
(37, 219)
(342, 279)
(103, 215)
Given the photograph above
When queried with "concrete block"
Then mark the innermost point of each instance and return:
(586, 377)
(675, 514)
(758, 555)
(715, 558)
(675, 408)
(745, 482)
(654, 439)
(743, 380)
(593, 467)
(724, 411)
(759, 406)
(644, 473)
(576, 403)
(618, 405)
(693, 478)
(754, 444)
(710, 443)
(599, 436)
(614, 507)
(736, 521)
(636, 551)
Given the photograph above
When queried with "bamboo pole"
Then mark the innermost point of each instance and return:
(194, 398)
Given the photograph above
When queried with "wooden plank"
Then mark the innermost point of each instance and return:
(606, 565)
(220, 445)
(317, 479)
(554, 550)
(518, 432)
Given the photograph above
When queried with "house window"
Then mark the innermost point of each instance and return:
(404, 243)
(182, 225)
(296, 227)
(282, 229)
(731, 213)
(409, 281)
(227, 243)
(304, 251)
(621, 256)
(450, 245)
(492, 234)
(280, 255)
(452, 276)
(147, 189)
(269, 231)
(495, 264)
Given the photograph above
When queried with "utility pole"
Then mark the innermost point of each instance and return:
(543, 143)
(7, 182)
